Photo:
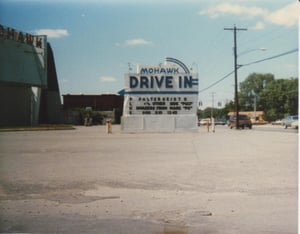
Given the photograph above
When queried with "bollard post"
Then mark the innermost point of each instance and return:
(207, 126)
(108, 126)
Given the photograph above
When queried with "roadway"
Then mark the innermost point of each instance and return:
(88, 181)
(274, 128)
(268, 128)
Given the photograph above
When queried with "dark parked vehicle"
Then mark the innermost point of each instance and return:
(244, 121)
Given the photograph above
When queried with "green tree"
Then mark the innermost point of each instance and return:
(253, 88)
(218, 113)
(281, 98)
(278, 98)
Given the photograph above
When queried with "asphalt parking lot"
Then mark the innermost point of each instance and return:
(88, 181)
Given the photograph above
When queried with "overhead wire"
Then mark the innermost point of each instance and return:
(218, 81)
(265, 36)
(260, 40)
(261, 37)
(269, 58)
(248, 64)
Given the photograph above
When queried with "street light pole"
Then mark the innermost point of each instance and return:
(236, 99)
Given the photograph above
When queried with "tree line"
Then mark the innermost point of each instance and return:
(277, 98)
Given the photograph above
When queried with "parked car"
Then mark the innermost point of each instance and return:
(244, 121)
(277, 122)
(295, 124)
(204, 122)
(220, 122)
(287, 122)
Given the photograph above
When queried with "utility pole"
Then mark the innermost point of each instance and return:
(236, 99)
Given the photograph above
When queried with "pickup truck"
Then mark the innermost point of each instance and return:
(244, 121)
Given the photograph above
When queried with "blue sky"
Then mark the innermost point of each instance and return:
(94, 41)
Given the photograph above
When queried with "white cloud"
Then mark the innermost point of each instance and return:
(233, 9)
(259, 26)
(286, 16)
(52, 33)
(107, 79)
(136, 42)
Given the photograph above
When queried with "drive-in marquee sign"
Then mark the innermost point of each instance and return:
(167, 89)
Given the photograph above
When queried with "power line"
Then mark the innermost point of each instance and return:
(264, 37)
(248, 64)
(213, 84)
(269, 58)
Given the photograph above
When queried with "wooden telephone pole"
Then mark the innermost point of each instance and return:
(236, 99)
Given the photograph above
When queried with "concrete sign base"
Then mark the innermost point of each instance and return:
(180, 123)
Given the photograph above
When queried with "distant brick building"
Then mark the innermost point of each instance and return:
(108, 104)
